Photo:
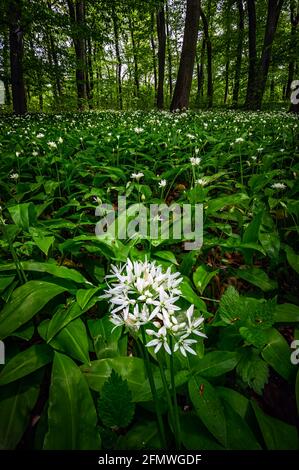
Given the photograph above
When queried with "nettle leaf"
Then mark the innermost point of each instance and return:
(115, 406)
(253, 370)
(230, 306)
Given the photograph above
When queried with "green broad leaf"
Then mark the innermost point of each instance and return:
(194, 435)
(131, 369)
(268, 236)
(215, 363)
(25, 332)
(115, 406)
(5, 281)
(208, 407)
(23, 215)
(49, 268)
(143, 435)
(277, 434)
(189, 294)
(104, 339)
(26, 301)
(277, 354)
(257, 277)
(25, 363)
(166, 255)
(202, 276)
(83, 296)
(71, 340)
(252, 230)
(44, 243)
(64, 315)
(239, 434)
(17, 401)
(219, 203)
(72, 419)
(286, 313)
(238, 402)
(253, 370)
(292, 257)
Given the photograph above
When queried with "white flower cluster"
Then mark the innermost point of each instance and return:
(142, 294)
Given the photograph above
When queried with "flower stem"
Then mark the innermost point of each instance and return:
(153, 389)
(175, 403)
(170, 404)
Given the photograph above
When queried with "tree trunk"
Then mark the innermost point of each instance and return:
(78, 20)
(236, 88)
(118, 58)
(209, 58)
(6, 77)
(169, 57)
(153, 46)
(161, 56)
(16, 57)
(251, 83)
(227, 49)
(294, 108)
(200, 72)
(182, 90)
(54, 58)
(134, 49)
(294, 16)
(274, 10)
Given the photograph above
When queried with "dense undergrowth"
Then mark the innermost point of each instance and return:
(70, 380)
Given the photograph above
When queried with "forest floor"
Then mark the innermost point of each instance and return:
(243, 168)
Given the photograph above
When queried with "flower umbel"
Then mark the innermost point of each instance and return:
(141, 293)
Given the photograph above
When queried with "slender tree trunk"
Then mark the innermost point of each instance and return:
(135, 57)
(54, 58)
(161, 56)
(153, 46)
(16, 57)
(294, 16)
(274, 10)
(227, 49)
(118, 58)
(236, 88)
(251, 83)
(209, 58)
(169, 56)
(182, 90)
(200, 72)
(76, 11)
(6, 78)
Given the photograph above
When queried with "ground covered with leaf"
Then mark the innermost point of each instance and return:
(73, 381)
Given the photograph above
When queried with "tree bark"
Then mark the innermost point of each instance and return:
(238, 66)
(294, 17)
(77, 16)
(6, 77)
(169, 56)
(182, 90)
(153, 46)
(200, 72)
(118, 58)
(161, 56)
(135, 58)
(209, 58)
(16, 34)
(251, 81)
(274, 10)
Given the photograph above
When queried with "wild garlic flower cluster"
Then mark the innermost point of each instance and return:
(140, 293)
